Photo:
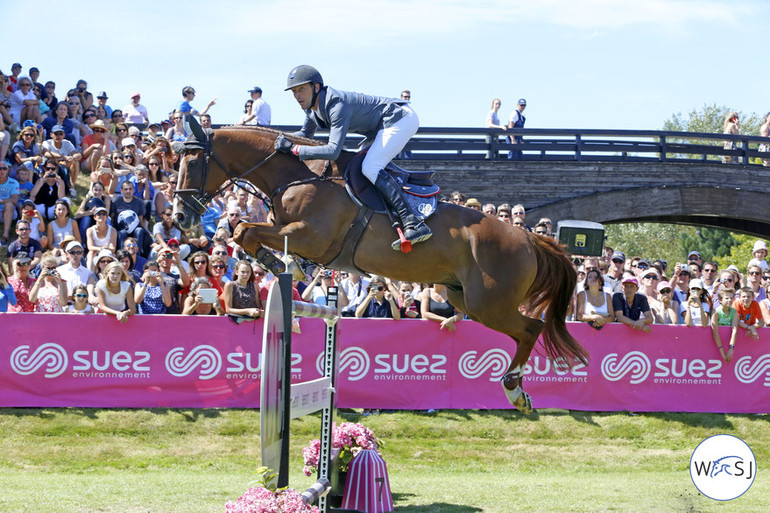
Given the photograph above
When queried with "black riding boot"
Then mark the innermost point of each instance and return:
(414, 229)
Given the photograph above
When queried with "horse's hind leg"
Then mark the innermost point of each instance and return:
(524, 331)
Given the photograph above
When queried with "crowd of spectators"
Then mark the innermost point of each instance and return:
(121, 253)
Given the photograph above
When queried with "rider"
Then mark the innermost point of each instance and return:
(387, 123)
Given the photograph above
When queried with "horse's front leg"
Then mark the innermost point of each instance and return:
(253, 237)
(526, 333)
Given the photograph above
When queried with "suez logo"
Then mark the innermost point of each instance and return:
(54, 361)
(636, 368)
(493, 363)
(356, 364)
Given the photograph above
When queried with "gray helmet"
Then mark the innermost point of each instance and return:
(303, 74)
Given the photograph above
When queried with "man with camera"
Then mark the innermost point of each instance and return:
(317, 290)
(49, 189)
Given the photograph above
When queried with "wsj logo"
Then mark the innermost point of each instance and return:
(206, 359)
(723, 467)
(748, 373)
(51, 356)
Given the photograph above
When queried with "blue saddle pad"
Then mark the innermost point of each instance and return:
(419, 190)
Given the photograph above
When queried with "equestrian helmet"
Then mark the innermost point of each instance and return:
(303, 74)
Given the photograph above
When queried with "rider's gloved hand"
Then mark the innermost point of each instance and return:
(282, 144)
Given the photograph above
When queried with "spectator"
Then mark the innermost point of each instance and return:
(518, 221)
(317, 290)
(435, 306)
(458, 198)
(764, 131)
(759, 253)
(205, 121)
(100, 236)
(7, 294)
(130, 216)
(247, 115)
(80, 301)
(232, 220)
(409, 307)
(9, 197)
(49, 293)
(542, 229)
(85, 215)
(152, 294)
(103, 111)
(47, 192)
(222, 250)
(134, 113)
(649, 279)
(195, 305)
(95, 146)
(50, 96)
(593, 302)
(241, 296)
(177, 131)
(708, 276)
(62, 225)
(749, 313)
(81, 90)
(14, 77)
(696, 312)
(732, 126)
(260, 110)
(60, 117)
(26, 148)
(61, 151)
(504, 213)
(175, 276)
(143, 188)
(117, 117)
(24, 175)
(124, 257)
(73, 272)
(473, 203)
(680, 282)
(101, 261)
(726, 280)
(490, 209)
(379, 302)
(664, 309)
(24, 104)
(631, 308)
(754, 282)
(106, 175)
(114, 292)
(161, 149)
(493, 120)
(132, 247)
(22, 284)
(201, 268)
(517, 120)
(725, 315)
(188, 93)
(549, 225)
(165, 231)
(26, 243)
(356, 287)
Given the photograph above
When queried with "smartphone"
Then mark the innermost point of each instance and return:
(208, 295)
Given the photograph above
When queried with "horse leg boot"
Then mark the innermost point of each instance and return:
(414, 229)
(271, 263)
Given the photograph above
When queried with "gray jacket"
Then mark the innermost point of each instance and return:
(343, 111)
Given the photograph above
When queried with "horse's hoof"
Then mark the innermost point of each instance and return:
(296, 271)
(518, 398)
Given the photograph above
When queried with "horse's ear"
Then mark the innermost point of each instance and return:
(196, 128)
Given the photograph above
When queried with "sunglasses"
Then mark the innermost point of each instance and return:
(168, 256)
(219, 253)
(218, 266)
(81, 295)
(22, 229)
(755, 273)
(28, 135)
(540, 233)
(75, 252)
(200, 262)
(50, 168)
(665, 291)
(154, 164)
(173, 245)
(726, 280)
(234, 215)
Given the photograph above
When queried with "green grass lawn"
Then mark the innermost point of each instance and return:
(85, 460)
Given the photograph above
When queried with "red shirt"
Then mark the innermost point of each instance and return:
(748, 315)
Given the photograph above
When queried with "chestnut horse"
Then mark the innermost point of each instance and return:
(490, 268)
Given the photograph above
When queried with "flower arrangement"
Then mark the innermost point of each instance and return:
(350, 438)
(265, 498)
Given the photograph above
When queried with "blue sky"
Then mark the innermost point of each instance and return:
(579, 63)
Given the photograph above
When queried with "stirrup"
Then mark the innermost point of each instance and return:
(517, 397)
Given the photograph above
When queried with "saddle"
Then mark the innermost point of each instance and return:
(418, 188)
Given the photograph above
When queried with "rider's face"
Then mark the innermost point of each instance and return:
(304, 95)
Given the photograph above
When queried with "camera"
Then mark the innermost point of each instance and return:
(153, 274)
(328, 274)
(50, 175)
(81, 90)
(685, 268)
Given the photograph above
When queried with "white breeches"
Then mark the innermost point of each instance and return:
(389, 142)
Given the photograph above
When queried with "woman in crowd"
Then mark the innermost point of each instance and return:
(493, 120)
(161, 149)
(733, 127)
(664, 309)
(200, 267)
(152, 294)
(49, 293)
(22, 284)
(124, 257)
(114, 293)
(62, 225)
(696, 311)
(85, 215)
(7, 294)
(100, 236)
(241, 296)
(246, 113)
(379, 302)
(194, 304)
(24, 104)
(26, 148)
(725, 315)
(177, 131)
(105, 174)
(594, 305)
(218, 266)
(166, 230)
(435, 306)
(409, 307)
(100, 262)
(80, 301)
(124, 165)
(60, 116)
(156, 174)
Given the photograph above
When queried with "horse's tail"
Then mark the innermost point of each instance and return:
(551, 294)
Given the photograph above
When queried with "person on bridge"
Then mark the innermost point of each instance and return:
(387, 123)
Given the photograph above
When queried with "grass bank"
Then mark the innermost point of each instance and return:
(169, 460)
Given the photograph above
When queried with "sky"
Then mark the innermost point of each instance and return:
(604, 64)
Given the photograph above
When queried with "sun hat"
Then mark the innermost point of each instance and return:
(473, 202)
(760, 244)
(630, 279)
(696, 284)
(664, 285)
(98, 124)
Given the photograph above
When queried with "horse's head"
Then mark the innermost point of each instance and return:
(191, 196)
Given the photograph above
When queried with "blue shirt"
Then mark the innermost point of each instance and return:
(7, 296)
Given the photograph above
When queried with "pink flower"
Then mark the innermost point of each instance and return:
(348, 438)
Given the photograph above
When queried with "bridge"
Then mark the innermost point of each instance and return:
(606, 176)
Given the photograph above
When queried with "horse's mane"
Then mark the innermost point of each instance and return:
(271, 131)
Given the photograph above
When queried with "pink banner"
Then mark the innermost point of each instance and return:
(169, 361)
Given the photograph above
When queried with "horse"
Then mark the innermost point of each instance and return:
(493, 271)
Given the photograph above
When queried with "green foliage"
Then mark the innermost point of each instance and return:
(740, 253)
(651, 240)
(712, 243)
(711, 119)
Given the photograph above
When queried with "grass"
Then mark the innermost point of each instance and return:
(164, 460)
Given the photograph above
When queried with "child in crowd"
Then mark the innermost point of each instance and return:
(24, 177)
(725, 315)
(80, 298)
(759, 253)
(749, 314)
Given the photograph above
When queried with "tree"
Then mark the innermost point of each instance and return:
(650, 240)
(711, 243)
